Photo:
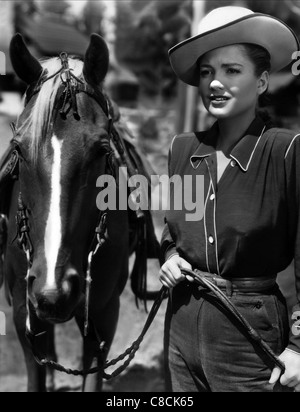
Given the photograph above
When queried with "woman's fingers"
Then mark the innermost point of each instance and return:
(297, 389)
(166, 284)
(291, 376)
(170, 276)
(275, 376)
(185, 265)
(170, 273)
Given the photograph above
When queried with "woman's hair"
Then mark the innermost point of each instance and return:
(261, 60)
(259, 56)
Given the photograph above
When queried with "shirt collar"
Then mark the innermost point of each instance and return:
(243, 151)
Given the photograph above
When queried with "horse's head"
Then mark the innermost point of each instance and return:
(62, 156)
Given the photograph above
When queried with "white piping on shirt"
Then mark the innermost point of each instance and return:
(252, 154)
(206, 244)
(290, 146)
(215, 226)
(172, 144)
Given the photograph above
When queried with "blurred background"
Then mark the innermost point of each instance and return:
(155, 106)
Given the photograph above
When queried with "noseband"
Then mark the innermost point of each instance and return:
(67, 101)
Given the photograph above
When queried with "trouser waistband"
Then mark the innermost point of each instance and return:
(247, 285)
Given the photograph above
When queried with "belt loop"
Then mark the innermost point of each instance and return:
(229, 288)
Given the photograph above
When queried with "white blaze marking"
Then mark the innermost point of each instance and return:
(53, 228)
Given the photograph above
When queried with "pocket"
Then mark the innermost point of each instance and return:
(283, 319)
(262, 314)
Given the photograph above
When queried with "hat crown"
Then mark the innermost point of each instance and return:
(221, 16)
(229, 25)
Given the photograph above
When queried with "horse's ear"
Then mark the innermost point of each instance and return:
(27, 67)
(96, 61)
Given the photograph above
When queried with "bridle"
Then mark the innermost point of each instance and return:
(73, 86)
(67, 101)
(112, 144)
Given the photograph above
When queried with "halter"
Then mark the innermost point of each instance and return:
(72, 86)
(66, 102)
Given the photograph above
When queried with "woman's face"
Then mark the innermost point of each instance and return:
(229, 86)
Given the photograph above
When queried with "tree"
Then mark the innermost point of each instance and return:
(146, 30)
(58, 8)
(93, 17)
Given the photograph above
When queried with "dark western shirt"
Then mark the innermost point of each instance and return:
(251, 225)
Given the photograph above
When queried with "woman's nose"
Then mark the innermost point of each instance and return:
(216, 85)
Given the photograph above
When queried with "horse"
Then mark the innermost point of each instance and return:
(61, 158)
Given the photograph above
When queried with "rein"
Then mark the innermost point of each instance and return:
(199, 278)
(71, 87)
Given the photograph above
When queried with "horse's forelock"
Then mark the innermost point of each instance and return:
(38, 122)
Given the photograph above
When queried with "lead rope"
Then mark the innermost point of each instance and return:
(229, 306)
(131, 352)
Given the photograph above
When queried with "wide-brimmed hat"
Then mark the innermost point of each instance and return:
(234, 25)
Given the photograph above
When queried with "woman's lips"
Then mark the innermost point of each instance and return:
(219, 99)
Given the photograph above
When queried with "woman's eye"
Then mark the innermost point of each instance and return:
(205, 73)
(233, 71)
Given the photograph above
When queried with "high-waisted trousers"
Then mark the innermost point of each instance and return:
(206, 350)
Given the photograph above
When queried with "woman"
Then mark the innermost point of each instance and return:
(250, 230)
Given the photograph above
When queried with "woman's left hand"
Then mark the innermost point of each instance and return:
(291, 377)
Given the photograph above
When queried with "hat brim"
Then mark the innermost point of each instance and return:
(261, 29)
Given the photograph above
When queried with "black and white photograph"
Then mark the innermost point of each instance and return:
(149, 198)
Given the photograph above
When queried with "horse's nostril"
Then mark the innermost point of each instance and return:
(71, 282)
(48, 298)
(56, 303)
(71, 273)
(66, 287)
(46, 304)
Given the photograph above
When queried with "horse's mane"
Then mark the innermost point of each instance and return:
(39, 120)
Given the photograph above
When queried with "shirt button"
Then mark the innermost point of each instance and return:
(233, 163)
(211, 240)
(212, 197)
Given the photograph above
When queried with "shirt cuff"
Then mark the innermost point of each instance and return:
(171, 251)
(174, 254)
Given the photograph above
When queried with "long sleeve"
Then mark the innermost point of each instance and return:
(292, 167)
(168, 245)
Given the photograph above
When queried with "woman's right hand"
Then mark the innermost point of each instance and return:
(170, 274)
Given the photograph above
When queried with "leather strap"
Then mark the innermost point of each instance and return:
(10, 169)
(248, 285)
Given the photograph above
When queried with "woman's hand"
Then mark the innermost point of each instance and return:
(291, 377)
(170, 274)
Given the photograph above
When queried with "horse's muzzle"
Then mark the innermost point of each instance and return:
(56, 304)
